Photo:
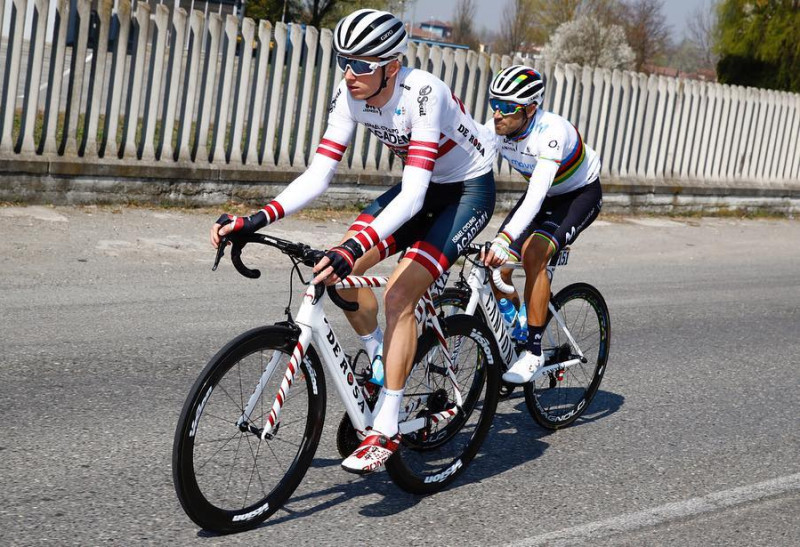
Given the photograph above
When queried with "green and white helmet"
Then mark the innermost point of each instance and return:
(518, 84)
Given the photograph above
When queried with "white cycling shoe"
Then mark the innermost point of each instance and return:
(524, 368)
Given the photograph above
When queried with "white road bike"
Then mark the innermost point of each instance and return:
(575, 343)
(252, 421)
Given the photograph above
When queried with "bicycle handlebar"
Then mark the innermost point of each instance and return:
(501, 285)
(299, 251)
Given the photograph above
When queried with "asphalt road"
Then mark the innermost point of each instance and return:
(693, 439)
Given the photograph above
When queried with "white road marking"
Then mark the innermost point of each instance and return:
(665, 513)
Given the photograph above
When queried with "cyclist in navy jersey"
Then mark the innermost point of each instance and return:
(563, 195)
(444, 200)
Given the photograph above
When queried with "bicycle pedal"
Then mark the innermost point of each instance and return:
(560, 375)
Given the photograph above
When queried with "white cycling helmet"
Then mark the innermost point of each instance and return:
(518, 84)
(370, 33)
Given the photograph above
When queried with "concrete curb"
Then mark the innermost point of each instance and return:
(65, 182)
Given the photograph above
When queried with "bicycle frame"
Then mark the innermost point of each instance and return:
(315, 329)
(482, 295)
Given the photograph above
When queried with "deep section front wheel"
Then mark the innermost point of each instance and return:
(226, 476)
(560, 397)
(431, 458)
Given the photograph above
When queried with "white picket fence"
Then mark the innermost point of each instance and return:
(267, 87)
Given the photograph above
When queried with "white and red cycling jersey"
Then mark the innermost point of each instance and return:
(552, 157)
(423, 123)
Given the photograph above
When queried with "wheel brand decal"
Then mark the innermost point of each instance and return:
(484, 343)
(311, 374)
(199, 412)
(440, 477)
(252, 514)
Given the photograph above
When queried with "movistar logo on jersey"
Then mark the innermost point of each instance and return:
(525, 168)
(540, 127)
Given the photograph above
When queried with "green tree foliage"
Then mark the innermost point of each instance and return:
(272, 10)
(758, 43)
(317, 13)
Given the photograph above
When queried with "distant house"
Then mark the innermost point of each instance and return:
(433, 30)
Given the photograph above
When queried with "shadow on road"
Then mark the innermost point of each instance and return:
(515, 439)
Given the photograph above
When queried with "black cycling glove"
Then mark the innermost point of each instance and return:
(344, 256)
(244, 225)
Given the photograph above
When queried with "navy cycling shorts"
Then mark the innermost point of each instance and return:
(561, 218)
(452, 215)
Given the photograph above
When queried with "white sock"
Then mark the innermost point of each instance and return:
(372, 342)
(388, 411)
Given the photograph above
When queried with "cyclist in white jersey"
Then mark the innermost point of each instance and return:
(444, 200)
(562, 199)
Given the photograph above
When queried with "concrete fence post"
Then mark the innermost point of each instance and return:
(437, 65)
(782, 148)
(624, 113)
(792, 164)
(460, 65)
(571, 96)
(69, 144)
(12, 70)
(713, 121)
(775, 134)
(142, 17)
(448, 72)
(557, 85)
(309, 64)
(207, 89)
(764, 110)
(269, 151)
(585, 86)
(152, 99)
(228, 55)
(109, 147)
(605, 102)
(47, 143)
(165, 148)
(97, 79)
(288, 126)
(471, 82)
(658, 138)
(615, 126)
(748, 134)
(186, 114)
(261, 79)
(672, 116)
(234, 153)
(715, 171)
(30, 105)
(322, 99)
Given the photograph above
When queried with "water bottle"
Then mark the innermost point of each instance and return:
(508, 311)
(377, 367)
(520, 333)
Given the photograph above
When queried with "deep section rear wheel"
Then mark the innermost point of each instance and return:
(431, 458)
(560, 397)
(227, 478)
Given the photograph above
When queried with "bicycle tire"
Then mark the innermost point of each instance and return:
(430, 459)
(556, 403)
(209, 489)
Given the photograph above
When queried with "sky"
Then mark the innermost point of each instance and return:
(489, 12)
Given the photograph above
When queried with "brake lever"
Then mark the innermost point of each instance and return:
(220, 252)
